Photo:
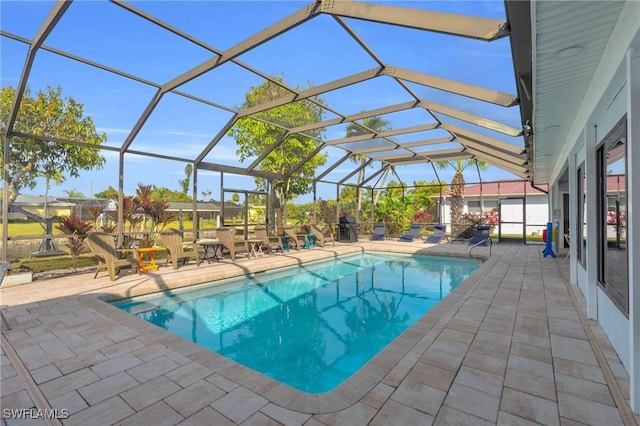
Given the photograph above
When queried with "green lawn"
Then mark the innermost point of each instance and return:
(33, 228)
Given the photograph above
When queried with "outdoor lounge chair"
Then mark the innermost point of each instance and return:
(379, 232)
(177, 250)
(414, 230)
(231, 245)
(273, 244)
(439, 232)
(480, 236)
(103, 246)
(297, 241)
(321, 238)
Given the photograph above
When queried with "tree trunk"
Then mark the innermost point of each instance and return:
(457, 204)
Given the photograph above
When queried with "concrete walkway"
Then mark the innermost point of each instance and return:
(508, 346)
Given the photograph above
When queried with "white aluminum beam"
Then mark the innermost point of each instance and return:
(464, 89)
(472, 118)
(446, 23)
(484, 140)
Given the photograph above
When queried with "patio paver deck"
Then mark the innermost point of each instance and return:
(508, 346)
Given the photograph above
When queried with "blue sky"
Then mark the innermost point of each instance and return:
(316, 52)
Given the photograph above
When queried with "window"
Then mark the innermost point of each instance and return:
(581, 237)
(612, 207)
(473, 206)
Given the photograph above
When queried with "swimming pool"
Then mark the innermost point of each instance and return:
(312, 326)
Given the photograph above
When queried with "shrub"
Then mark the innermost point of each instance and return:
(422, 216)
(76, 230)
(491, 217)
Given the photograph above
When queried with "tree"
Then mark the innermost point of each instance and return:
(375, 124)
(72, 193)
(207, 196)
(110, 192)
(390, 208)
(423, 201)
(47, 114)
(160, 192)
(254, 137)
(457, 190)
(184, 183)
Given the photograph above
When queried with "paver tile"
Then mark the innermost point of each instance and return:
(378, 395)
(107, 412)
(483, 362)
(106, 388)
(121, 348)
(357, 414)
(148, 393)
(474, 402)
(188, 374)
(531, 366)
(193, 398)
(239, 404)
(530, 407)
(531, 383)
(285, 416)
(12, 385)
(450, 416)
(419, 396)
(207, 416)
(508, 419)
(44, 374)
(431, 375)
(260, 419)
(395, 413)
(573, 349)
(480, 380)
(71, 401)
(578, 369)
(111, 366)
(158, 414)
(531, 352)
(442, 359)
(152, 369)
(70, 382)
(16, 400)
(587, 412)
(585, 389)
(79, 362)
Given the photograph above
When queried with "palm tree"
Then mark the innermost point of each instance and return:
(457, 190)
(368, 125)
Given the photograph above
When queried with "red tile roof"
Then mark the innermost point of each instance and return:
(501, 188)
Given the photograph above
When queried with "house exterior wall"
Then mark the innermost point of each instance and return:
(614, 93)
(536, 215)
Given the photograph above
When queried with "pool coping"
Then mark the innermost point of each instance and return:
(385, 366)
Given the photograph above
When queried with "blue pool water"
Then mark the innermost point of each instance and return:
(313, 326)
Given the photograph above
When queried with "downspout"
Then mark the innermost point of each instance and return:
(480, 180)
(538, 188)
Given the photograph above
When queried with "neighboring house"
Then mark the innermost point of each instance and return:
(523, 209)
(26, 206)
(209, 210)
